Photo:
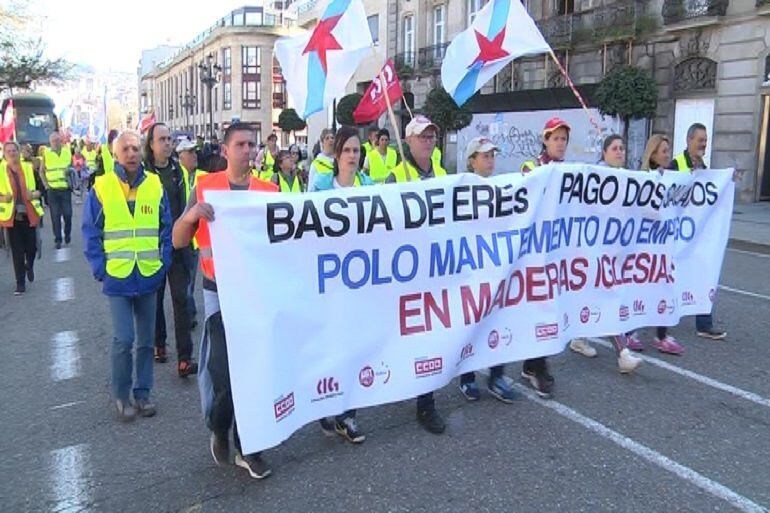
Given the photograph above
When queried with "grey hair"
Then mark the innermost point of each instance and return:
(694, 128)
(125, 134)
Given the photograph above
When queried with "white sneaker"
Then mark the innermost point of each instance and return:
(627, 362)
(579, 345)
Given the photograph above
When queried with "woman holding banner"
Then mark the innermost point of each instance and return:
(481, 161)
(345, 173)
(656, 157)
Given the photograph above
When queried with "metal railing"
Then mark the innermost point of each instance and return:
(604, 23)
(405, 63)
(429, 58)
(675, 11)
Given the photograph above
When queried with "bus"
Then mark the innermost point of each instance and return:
(35, 118)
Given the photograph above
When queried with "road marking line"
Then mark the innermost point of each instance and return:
(65, 356)
(70, 489)
(62, 255)
(705, 380)
(753, 253)
(64, 289)
(744, 292)
(704, 483)
(66, 405)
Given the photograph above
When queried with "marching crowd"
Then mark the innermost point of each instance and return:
(145, 226)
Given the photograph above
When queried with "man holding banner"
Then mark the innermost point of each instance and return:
(214, 375)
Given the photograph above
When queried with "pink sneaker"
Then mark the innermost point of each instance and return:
(633, 343)
(668, 345)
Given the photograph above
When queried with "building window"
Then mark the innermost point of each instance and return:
(252, 60)
(227, 96)
(251, 94)
(565, 6)
(253, 18)
(472, 8)
(409, 40)
(438, 24)
(374, 27)
(227, 62)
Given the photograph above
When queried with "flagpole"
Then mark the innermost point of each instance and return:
(403, 99)
(574, 90)
(392, 115)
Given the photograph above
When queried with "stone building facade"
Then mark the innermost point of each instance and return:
(708, 57)
(249, 88)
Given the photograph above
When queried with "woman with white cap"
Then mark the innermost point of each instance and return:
(481, 161)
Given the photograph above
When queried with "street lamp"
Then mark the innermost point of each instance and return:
(209, 73)
(188, 101)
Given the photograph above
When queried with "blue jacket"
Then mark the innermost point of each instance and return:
(93, 245)
(325, 181)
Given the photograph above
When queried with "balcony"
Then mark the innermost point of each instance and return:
(429, 58)
(619, 20)
(677, 11)
(405, 64)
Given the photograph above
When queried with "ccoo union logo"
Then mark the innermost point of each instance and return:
(428, 367)
(283, 407)
(546, 331)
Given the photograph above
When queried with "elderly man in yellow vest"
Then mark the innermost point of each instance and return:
(381, 159)
(127, 242)
(57, 160)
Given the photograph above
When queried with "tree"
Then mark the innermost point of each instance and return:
(22, 64)
(441, 108)
(289, 121)
(629, 93)
(345, 108)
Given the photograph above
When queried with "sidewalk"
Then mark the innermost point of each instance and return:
(750, 228)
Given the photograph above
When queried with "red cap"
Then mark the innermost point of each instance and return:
(554, 123)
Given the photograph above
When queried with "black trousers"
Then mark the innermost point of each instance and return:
(60, 202)
(23, 247)
(178, 278)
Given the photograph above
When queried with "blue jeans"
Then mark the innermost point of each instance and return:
(704, 322)
(192, 267)
(125, 312)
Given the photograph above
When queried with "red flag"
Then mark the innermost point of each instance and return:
(147, 122)
(8, 127)
(373, 104)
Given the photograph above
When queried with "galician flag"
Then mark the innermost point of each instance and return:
(501, 32)
(318, 65)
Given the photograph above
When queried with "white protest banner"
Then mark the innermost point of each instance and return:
(355, 297)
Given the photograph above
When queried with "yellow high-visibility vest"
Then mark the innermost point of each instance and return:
(380, 168)
(405, 172)
(435, 157)
(131, 240)
(681, 162)
(90, 156)
(7, 207)
(108, 162)
(323, 166)
(57, 167)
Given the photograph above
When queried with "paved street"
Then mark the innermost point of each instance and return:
(684, 434)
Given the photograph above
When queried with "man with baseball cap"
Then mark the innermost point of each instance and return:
(421, 135)
(420, 141)
(555, 140)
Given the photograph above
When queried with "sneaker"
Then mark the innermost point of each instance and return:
(501, 390)
(348, 430)
(627, 362)
(160, 355)
(470, 391)
(186, 368)
(634, 343)
(327, 426)
(145, 408)
(126, 412)
(20, 289)
(712, 334)
(668, 345)
(579, 345)
(431, 420)
(542, 382)
(254, 464)
(220, 449)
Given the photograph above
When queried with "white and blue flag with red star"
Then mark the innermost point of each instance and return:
(501, 32)
(318, 65)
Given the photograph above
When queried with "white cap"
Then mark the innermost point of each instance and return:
(418, 125)
(480, 145)
(185, 145)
